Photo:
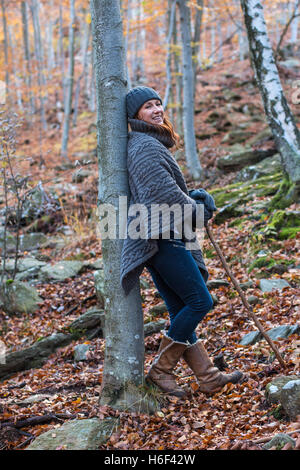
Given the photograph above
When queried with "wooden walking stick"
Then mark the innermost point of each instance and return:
(245, 302)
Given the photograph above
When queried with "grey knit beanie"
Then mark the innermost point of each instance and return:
(137, 96)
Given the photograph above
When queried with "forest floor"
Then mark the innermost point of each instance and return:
(238, 415)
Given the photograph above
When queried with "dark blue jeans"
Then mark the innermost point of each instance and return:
(182, 287)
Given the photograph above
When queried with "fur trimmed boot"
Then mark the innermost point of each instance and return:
(161, 371)
(209, 377)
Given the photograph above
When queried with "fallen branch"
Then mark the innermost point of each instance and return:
(85, 325)
(36, 420)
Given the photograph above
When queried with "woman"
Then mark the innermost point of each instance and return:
(179, 274)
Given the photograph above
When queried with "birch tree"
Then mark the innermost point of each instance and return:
(279, 115)
(188, 92)
(124, 337)
(4, 21)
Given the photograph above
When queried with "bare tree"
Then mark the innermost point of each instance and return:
(124, 348)
(69, 85)
(192, 158)
(279, 115)
(28, 77)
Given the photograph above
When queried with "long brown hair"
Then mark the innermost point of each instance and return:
(167, 126)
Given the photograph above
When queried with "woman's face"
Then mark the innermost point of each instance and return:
(152, 112)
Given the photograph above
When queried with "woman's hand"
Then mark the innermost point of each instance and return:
(203, 197)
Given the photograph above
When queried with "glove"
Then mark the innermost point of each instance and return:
(203, 197)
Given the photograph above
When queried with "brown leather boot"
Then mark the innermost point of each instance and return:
(161, 371)
(209, 377)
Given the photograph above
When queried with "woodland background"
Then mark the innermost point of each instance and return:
(50, 246)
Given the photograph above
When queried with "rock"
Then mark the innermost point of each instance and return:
(253, 300)
(158, 309)
(273, 388)
(239, 160)
(251, 338)
(266, 167)
(278, 441)
(215, 283)
(290, 398)
(27, 242)
(19, 297)
(83, 434)
(267, 285)
(236, 136)
(228, 211)
(290, 63)
(61, 271)
(282, 331)
(246, 285)
(99, 287)
(97, 264)
(80, 175)
(261, 137)
(80, 352)
(23, 264)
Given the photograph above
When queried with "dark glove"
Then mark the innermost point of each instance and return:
(203, 197)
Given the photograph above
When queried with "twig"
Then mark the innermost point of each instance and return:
(245, 302)
(36, 420)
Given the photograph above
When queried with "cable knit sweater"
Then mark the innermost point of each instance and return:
(154, 178)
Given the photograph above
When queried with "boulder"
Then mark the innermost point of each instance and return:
(236, 136)
(61, 270)
(267, 285)
(237, 161)
(274, 388)
(282, 331)
(19, 297)
(290, 398)
(266, 167)
(279, 441)
(83, 434)
(80, 352)
(80, 175)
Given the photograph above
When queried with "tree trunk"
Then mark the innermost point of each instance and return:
(178, 79)
(279, 115)
(39, 58)
(188, 95)
(69, 88)
(123, 374)
(27, 56)
(3, 8)
(196, 39)
(172, 9)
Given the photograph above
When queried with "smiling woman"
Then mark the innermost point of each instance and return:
(152, 112)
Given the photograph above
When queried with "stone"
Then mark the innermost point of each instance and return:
(236, 137)
(253, 300)
(251, 338)
(83, 434)
(267, 285)
(290, 63)
(61, 270)
(215, 283)
(268, 166)
(158, 309)
(290, 398)
(244, 158)
(278, 441)
(80, 352)
(273, 388)
(19, 297)
(80, 175)
(283, 331)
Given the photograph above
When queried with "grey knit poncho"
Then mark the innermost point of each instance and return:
(154, 178)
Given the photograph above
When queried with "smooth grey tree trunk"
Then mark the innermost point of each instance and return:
(279, 115)
(178, 79)
(62, 52)
(28, 76)
(123, 374)
(196, 39)
(188, 93)
(4, 21)
(69, 85)
(172, 9)
(34, 8)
